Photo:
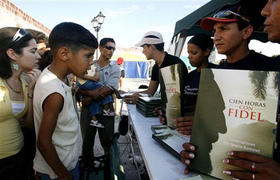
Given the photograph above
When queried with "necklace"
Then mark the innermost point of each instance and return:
(16, 91)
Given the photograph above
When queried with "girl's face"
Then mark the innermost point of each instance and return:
(196, 55)
(29, 56)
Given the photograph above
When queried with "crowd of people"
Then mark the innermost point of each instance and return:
(42, 135)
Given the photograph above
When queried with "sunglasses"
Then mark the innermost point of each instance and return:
(110, 48)
(19, 35)
(228, 14)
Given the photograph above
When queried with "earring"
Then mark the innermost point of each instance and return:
(15, 66)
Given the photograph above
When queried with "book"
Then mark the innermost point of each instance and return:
(123, 95)
(171, 86)
(170, 139)
(235, 111)
(147, 105)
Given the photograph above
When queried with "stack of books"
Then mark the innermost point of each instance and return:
(147, 105)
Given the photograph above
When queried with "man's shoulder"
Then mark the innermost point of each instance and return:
(258, 56)
(173, 58)
(211, 65)
(46, 78)
(114, 66)
(170, 60)
(48, 83)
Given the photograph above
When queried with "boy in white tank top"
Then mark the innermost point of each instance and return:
(55, 119)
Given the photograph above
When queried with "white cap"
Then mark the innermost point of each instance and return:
(151, 37)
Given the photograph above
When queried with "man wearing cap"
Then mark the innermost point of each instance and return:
(153, 48)
(260, 167)
(232, 31)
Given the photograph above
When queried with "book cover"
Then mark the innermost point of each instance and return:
(171, 92)
(235, 110)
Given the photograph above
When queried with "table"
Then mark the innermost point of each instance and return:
(160, 164)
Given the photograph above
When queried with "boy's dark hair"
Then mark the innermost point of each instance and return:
(46, 59)
(39, 36)
(71, 35)
(203, 41)
(6, 36)
(242, 24)
(106, 40)
(159, 47)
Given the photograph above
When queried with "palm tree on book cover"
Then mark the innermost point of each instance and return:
(259, 81)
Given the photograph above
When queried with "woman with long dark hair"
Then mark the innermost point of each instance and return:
(18, 54)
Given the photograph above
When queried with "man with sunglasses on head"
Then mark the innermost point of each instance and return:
(232, 32)
(109, 76)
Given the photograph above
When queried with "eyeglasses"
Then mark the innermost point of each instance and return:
(228, 14)
(19, 34)
(110, 48)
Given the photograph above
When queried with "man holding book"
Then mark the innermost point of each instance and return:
(260, 167)
(232, 31)
(232, 34)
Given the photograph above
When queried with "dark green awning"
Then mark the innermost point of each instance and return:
(189, 25)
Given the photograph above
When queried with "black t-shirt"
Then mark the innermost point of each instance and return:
(167, 61)
(191, 89)
(253, 61)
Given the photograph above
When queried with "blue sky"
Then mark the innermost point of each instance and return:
(126, 20)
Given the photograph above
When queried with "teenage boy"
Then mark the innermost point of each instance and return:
(109, 76)
(232, 31)
(55, 119)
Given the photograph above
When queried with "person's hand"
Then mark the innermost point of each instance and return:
(187, 155)
(93, 94)
(118, 93)
(256, 166)
(131, 99)
(86, 100)
(158, 111)
(122, 91)
(33, 75)
(67, 176)
(184, 125)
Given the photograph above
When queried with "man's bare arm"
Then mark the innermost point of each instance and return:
(150, 91)
(97, 94)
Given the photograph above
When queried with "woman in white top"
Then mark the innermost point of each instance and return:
(18, 53)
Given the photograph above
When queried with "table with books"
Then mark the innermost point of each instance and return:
(160, 164)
